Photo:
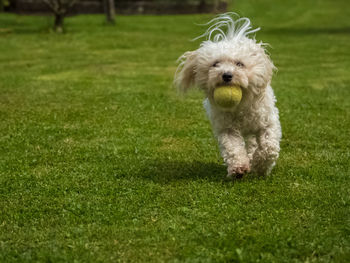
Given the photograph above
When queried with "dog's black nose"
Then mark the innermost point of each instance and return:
(227, 76)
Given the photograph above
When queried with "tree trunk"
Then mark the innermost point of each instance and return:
(59, 23)
(109, 11)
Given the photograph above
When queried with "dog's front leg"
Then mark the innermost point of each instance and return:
(233, 151)
(268, 150)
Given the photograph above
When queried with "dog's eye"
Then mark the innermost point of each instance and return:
(239, 64)
(215, 64)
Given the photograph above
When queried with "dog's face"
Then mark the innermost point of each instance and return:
(242, 62)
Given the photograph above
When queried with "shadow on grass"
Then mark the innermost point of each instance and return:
(163, 172)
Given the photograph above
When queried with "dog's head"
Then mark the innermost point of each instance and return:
(225, 59)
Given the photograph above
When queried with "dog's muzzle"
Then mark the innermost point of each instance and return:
(227, 77)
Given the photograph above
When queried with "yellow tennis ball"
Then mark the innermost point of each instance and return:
(228, 96)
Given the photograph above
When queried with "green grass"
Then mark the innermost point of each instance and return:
(101, 161)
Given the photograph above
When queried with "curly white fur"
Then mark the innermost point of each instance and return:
(249, 135)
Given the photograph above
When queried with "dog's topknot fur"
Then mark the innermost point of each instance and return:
(235, 29)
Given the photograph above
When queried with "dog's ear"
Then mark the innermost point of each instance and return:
(186, 71)
(268, 71)
(261, 73)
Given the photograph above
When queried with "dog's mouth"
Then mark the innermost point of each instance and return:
(233, 84)
(230, 84)
(225, 84)
(226, 98)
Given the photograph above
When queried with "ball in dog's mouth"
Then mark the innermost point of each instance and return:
(227, 97)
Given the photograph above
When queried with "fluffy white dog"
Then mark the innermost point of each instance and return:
(249, 134)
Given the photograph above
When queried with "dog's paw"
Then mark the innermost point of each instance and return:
(238, 171)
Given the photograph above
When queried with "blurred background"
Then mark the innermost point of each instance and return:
(122, 6)
(102, 161)
(63, 8)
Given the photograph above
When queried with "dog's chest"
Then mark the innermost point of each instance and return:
(244, 119)
(246, 122)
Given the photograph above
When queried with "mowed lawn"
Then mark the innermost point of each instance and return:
(102, 161)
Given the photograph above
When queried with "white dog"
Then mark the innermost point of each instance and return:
(249, 135)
